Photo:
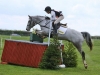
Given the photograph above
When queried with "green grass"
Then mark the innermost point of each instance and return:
(92, 58)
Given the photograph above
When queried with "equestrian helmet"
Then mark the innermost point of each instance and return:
(48, 8)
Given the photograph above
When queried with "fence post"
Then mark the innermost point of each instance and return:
(1, 43)
(49, 32)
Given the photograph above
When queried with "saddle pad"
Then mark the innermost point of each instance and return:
(61, 30)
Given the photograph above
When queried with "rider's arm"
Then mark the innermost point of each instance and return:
(53, 16)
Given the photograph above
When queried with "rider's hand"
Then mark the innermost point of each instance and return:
(47, 18)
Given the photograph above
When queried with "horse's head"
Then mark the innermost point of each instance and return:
(30, 23)
(33, 20)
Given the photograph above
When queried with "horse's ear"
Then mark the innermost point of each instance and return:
(29, 16)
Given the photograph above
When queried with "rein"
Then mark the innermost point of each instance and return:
(44, 25)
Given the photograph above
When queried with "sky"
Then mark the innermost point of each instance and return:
(80, 15)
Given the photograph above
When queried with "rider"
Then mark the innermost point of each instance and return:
(56, 17)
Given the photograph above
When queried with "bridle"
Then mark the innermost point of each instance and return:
(40, 22)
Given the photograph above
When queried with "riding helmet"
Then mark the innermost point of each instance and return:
(48, 8)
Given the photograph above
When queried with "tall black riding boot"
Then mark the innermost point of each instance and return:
(55, 29)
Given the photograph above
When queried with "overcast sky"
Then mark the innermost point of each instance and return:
(81, 15)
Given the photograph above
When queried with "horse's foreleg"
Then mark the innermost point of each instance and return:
(40, 33)
(84, 61)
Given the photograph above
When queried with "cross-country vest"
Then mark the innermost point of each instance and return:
(58, 13)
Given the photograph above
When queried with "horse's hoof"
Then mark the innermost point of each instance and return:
(85, 66)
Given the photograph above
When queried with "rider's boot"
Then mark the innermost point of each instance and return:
(55, 29)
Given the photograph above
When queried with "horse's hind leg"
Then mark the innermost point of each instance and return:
(79, 48)
(83, 57)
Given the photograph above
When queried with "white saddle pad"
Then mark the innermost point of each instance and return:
(62, 30)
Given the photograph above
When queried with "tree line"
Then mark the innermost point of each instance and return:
(26, 33)
(95, 37)
(19, 32)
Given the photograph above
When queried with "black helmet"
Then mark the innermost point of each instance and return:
(48, 8)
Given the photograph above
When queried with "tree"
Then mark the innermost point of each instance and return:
(70, 55)
(51, 58)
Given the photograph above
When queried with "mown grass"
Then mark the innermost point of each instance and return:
(92, 58)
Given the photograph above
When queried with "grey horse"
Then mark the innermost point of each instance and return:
(71, 35)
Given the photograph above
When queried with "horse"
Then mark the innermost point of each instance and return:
(71, 35)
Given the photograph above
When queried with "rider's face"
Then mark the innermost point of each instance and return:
(48, 12)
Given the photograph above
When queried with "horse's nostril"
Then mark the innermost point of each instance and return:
(26, 29)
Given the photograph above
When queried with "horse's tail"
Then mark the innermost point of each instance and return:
(87, 37)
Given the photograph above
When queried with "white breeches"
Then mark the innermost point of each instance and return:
(59, 19)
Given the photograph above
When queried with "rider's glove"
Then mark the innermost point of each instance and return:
(47, 18)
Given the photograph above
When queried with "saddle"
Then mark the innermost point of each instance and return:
(60, 24)
(64, 25)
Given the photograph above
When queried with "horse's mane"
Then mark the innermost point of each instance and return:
(37, 16)
(46, 17)
(40, 16)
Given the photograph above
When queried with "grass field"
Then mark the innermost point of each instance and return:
(92, 58)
